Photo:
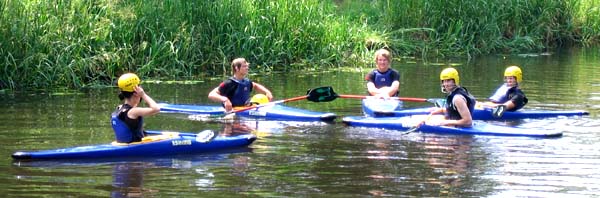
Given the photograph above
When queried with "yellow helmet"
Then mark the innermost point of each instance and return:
(259, 99)
(514, 71)
(128, 81)
(450, 73)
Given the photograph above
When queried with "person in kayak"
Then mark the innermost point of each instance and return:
(127, 120)
(383, 81)
(457, 112)
(509, 94)
(236, 90)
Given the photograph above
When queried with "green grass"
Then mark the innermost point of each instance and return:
(79, 43)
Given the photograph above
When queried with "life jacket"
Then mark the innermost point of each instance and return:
(383, 79)
(451, 111)
(239, 91)
(504, 94)
(123, 132)
(501, 94)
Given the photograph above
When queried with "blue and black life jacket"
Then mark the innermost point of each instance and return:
(383, 79)
(504, 94)
(238, 91)
(126, 130)
(501, 94)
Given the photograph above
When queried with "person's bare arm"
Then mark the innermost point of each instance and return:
(461, 106)
(152, 108)
(393, 89)
(262, 89)
(216, 96)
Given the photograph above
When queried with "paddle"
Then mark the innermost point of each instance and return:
(498, 111)
(202, 136)
(408, 99)
(416, 127)
(319, 94)
(326, 94)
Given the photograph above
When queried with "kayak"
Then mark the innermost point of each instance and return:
(164, 161)
(370, 108)
(159, 143)
(478, 128)
(269, 112)
(380, 105)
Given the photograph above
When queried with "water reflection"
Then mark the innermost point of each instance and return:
(449, 157)
(238, 127)
(128, 180)
(444, 165)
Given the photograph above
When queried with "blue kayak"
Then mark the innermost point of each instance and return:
(163, 161)
(373, 108)
(158, 144)
(380, 105)
(270, 112)
(479, 127)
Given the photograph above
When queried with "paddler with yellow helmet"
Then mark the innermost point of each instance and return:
(127, 120)
(235, 91)
(459, 102)
(509, 95)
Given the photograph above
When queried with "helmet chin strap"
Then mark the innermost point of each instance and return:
(447, 91)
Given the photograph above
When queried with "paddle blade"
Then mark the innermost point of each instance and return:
(498, 111)
(205, 136)
(412, 129)
(416, 127)
(438, 102)
(321, 94)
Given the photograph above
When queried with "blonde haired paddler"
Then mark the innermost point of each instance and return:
(383, 81)
(235, 91)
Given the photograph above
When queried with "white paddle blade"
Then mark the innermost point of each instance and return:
(205, 136)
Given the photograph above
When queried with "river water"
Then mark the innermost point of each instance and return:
(314, 159)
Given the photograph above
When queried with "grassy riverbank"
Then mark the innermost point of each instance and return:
(76, 43)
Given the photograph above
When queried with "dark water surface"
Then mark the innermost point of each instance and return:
(313, 159)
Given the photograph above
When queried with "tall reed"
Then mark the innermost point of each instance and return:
(480, 27)
(82, 43)
(586, 21)
(79, 43)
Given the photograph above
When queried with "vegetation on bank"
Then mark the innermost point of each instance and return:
(80, 43)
